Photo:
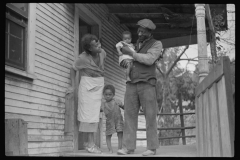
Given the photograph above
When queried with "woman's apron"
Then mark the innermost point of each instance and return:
(89, 98)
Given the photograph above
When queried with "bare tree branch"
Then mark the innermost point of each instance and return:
(159, 69)
(175, 62)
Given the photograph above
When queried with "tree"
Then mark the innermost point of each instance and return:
(224, 37)
(168, 68)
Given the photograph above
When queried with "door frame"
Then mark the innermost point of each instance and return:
(80, 11)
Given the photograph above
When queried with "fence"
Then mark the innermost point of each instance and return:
(215, 113)
(182, 128)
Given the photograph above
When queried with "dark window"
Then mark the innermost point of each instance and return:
(15, 35)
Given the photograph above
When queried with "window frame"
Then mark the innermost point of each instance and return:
(30, 30)
(25, 36)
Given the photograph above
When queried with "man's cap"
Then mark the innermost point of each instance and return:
(146, 23)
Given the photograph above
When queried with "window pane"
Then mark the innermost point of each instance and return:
(16, 30)
(22, 6)
(16, 50)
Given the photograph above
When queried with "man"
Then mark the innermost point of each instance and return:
(140, 91)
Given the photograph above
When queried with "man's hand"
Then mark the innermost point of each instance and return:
(126, 50)
(124, 63)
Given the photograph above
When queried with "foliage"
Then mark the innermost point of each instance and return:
(218, 21)
(172, 80)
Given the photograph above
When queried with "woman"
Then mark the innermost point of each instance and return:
(90, 65)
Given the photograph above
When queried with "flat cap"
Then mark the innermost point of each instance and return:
(146, 23)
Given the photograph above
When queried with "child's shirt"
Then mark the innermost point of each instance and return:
(124, 56)
(114, 118)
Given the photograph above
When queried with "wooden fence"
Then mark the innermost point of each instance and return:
(215, 113)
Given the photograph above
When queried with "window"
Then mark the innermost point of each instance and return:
(16, 35)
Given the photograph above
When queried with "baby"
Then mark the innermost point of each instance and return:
(114, 119)
(126, 35)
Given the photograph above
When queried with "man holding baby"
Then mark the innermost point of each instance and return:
(140, 89)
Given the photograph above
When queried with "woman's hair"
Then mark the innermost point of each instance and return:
(127, 32)
(86, 40)
(109, 86)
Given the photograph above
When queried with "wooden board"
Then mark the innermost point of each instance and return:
(42, 89)
(16, 136)
(218, 118)
(201, 124)
(198, 142)
(50, 144)
(213, 76)
(215, 127)
(31, 118)
(17, 110)
(224, 119)
(69, 118)
(27, 105)
(49, 138)
(208, 124)
(20, 97)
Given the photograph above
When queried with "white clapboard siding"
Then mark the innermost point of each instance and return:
(51, 35)
(44, 9)
(58, 35)
(57, 67)
(14, 82)
(45, 132)
(27, 92)
(27, 105)
(68, 17)
(47, 23)
(41, 102)
(67, 10)
(49, 54)
(43, 65)
(30, 99)
(49, 144)
(50, 86)
(52, 76)
(17, 110)
(57, 46)
(33, 118)
(34, 125)
(46, 42)
(53, 138)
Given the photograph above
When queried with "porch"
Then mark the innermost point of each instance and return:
(162, 151)
(177, 25)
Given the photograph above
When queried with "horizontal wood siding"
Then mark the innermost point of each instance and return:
(41, 103)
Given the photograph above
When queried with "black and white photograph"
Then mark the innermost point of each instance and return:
(119, 80)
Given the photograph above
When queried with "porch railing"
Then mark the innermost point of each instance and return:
(182, 128)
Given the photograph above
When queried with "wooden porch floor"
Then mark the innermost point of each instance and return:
(162, 151)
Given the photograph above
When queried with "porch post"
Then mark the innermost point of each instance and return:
(202, 41)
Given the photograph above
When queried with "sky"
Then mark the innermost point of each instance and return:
(192, 51)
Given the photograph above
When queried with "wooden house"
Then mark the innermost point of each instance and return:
(43, 39)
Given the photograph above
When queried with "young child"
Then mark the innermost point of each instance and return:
(126, 35)
(114, 119)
